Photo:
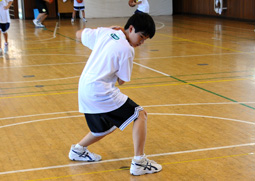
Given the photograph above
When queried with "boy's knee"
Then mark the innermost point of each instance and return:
(143, 115)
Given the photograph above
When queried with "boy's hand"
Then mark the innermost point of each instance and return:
(133, 3)
(78, 33)
(116, 27)
(120, 82)
(8, 5)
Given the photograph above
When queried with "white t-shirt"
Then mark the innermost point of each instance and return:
(111, 57)
(4, 14)
(76, 4)
(144, 6)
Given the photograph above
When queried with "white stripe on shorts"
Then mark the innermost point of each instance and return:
(132, 118)
(104, 133)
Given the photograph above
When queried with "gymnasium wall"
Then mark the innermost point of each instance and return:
(237, 9)
(101, 8)
(120, 8)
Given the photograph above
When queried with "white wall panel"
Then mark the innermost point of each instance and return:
(120, 8)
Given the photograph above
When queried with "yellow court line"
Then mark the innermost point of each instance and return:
(197, 42)
(205, 159)
(39, 95)
(188, 83)
(137, 87)
(115, 170)
(66, 176)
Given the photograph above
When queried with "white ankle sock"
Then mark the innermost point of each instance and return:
(79, 147)
(138, 157)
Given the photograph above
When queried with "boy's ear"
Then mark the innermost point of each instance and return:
(131, 28)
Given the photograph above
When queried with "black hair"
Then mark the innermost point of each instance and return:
(142, 22)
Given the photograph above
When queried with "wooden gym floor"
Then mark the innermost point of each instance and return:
(195, 78)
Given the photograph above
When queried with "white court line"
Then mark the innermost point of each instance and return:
(57, 41)
(55, 30)
(160, 105)
(159, 114)
(161, 27)
(54, 33)
(41, 65)
(151, 69)
(201, 116)
(127, 158)
(78, 55)
(200, 55)
(182, 56)
(33, 115)
(150, 58)
(198, 104)
(9, 67)
(39, 120)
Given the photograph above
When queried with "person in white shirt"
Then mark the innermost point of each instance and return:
(78, 6)
(104, 106)
(43, 12)
(4, 23)
(143, 6)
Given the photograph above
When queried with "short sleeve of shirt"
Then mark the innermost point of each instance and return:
(88, 37)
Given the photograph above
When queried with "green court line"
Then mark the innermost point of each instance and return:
(232, 100)
(125, 85)
(63, 35)
(215, 78)
(192, 41)
(214, 73)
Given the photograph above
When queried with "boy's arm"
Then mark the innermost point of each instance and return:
(78, 33)
(8, 5)
(120, 82)
(115, 27)
(133, 3)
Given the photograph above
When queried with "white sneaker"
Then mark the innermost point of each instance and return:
(84, 20)
(38, 24)
(83, 154)
(41, 25)
(72, 20)
(5, 47)
(35, 21)
(144, 166)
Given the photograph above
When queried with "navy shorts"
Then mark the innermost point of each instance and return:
(4, 27)
(137, 11)
(78, 8)
(103, 123)
(41, 6)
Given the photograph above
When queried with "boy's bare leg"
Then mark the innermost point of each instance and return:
(83, 14)
(43, 17)
(0, 40)
(140, 162)
(139, 133)
(5, 37)
(74, 13)
(90, 139)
